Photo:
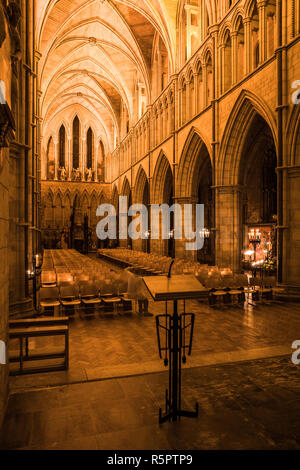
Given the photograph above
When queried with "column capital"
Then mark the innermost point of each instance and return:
(261, 4)
(229, 188)
(247, 20)
(213, 29)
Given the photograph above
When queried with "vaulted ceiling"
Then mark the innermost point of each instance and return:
(93, 54)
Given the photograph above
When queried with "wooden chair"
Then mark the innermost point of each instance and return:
(69, 297)
(49, 299)
(89, 295)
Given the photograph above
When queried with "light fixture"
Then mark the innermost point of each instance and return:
(204, 233)
(254, 235)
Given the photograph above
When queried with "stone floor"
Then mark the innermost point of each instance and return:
(247, 405)
(116, 345)
(240, 372)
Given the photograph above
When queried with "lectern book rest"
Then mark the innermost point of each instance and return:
(176, 287)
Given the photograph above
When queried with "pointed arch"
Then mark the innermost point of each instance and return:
(293, 133)
(67, 207)
(50, 158)
(244, 110)
(195, 155)
(126, 190)
(141, 181)
(162, 173)
(115, 196)
(62, 146)
(58, 213)
(89, 148)
(76, 142)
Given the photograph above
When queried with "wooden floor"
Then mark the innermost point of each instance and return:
(117, 345)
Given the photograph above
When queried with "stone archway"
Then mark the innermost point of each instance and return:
(162, 192)
(194, 186)
(142, 196)
(126, 191)
(246, 183)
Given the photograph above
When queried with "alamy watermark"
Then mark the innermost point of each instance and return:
(296, 354)
(166, 222)
(2, 92)
(296, 94)
(2, 353)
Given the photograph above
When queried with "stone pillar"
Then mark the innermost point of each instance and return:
(222, 67)
(83, 158)
(4, 273)
(291, 234)
(228, 227)
(56, 158)
(234, 56)
(188, 31)
(247, 32)
(196, 91)
(19, 302)
(69, 158)
(96, 158)
(262, 31)
(180, 244)
(187, 102)
(204, 76)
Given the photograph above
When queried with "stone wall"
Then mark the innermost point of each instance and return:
(4, 274)
(5, 76)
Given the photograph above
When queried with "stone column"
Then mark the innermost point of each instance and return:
(222, 67)
(69, 159)
(290, 234)
(204, 77)
(196, 91)
(180, 244)
(247, 32)
(83, 158)
(188, 31)
(262, 31)
(187, 102)
(234, 56)
(228, 227)
(96, 158)
(56, 158)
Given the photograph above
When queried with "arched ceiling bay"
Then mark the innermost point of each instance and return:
(94, 53)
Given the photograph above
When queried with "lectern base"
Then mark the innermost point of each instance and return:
(173, 415)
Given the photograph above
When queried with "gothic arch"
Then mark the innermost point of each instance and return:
(140, 181)
(126, 190)
(293, 133)
(195, 152)
(244, 110)
(115, 196)
(162, 168)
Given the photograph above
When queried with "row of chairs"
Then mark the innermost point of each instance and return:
(243, 288)
(85, 296)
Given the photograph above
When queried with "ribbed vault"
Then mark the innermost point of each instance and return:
(95, 55)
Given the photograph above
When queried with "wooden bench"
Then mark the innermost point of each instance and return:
(39, 327)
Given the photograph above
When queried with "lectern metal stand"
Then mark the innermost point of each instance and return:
(163, 288)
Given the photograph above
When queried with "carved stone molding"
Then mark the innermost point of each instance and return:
(7, 128)
(7, 125)
(2, 27)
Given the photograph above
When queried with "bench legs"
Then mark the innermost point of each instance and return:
(21, 355)
(22, 358)
(67, 350)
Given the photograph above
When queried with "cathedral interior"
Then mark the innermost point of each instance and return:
(164, 102)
